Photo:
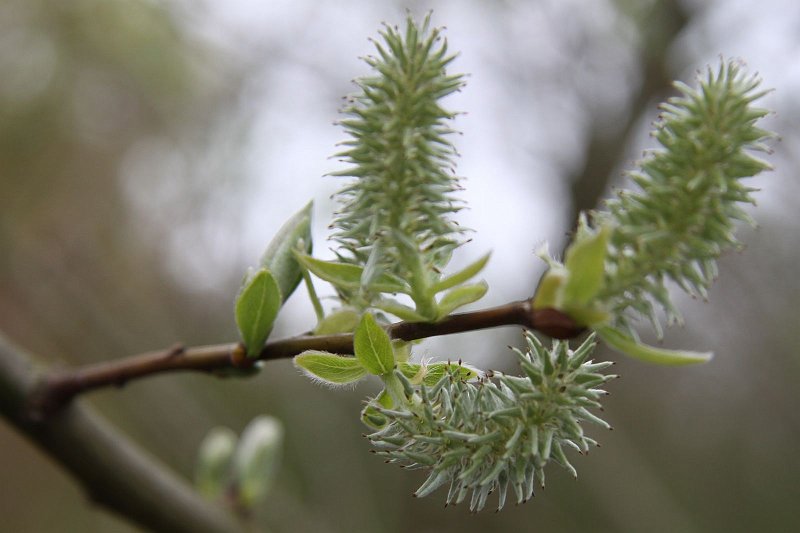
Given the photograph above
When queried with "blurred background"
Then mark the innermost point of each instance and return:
(149, 150)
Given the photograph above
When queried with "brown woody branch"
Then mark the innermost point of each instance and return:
(58, 389)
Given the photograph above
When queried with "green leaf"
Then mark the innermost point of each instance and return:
(413, 371)
(339, 274)
(256, 307)
(342, 320)
(256, 459)
(348, 276)
(627, 345)
(214, 458)
(370, 415)
(550, 292)
(403, 312)
(402, 350)
(373, 346)
(590, 315)
(279, 257)
(573, 286)
(462, 275)
(585, 263)
(431, 373)
(384, 399)
(436, 371)
(460, 296)
(329, 368)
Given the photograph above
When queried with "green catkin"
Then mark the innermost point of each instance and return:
(690, 196)
(486, 435)
(395, 217)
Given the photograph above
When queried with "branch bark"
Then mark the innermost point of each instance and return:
(58, 389)
(114, 472)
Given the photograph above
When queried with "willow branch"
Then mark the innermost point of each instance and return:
(114, 472)
(59, 388)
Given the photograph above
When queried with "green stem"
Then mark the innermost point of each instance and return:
(312, 295)
(421, 288)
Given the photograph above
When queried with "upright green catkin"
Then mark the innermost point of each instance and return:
(691, 195)
(395, 217)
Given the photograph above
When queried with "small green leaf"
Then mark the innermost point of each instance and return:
(349, 276)
(384, 399)
(340, 274)
(462, 275)
(279, 257)
(402, 350)
(403, 312)
(415, 372)
(436, 371)
(625, 344)
(585, 263)
(257, 306)
(573, 287)
(329, 368)
(550, 293)
(590, 315)
(370, 415)
(431, 373)
(214, 458)
(460, 296)
(256, 459)
(342, 320)
(373, 346)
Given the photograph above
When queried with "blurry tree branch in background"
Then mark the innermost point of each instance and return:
(113, 471)
(657, 25)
